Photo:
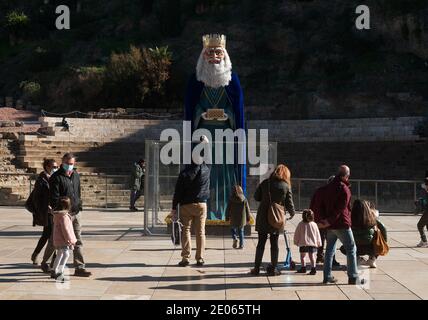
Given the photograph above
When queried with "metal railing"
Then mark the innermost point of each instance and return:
(103, 190)
(387, 195)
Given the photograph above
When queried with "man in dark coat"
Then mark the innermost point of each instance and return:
(317, 206)
(192, 191)
(337, 199)
(137, 183)
(66, 183)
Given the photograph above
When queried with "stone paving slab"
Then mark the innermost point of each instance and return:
(138, 267)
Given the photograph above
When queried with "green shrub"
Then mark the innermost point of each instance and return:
(16, 20)
(90, 83)
(31, 91)
(133, 76)
(17, 23)
(78, 89)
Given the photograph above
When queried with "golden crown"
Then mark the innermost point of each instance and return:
(214, 40)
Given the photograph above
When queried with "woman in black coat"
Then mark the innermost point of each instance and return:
(40, 202)
(280, 192)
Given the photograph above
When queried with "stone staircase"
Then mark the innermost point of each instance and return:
(102, 147)
(14, 181)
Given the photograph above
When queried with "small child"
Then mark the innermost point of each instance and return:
(63, 237)
(238, 213)
(307, 237)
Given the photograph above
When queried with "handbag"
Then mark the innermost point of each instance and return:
(29, 204)
(176, 230)
(380, 247)
(276, 213)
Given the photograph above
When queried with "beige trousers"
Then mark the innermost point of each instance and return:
(196, 213)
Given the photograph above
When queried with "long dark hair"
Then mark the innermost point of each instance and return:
(362, 215)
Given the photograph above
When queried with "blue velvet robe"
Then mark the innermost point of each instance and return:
(235, 95)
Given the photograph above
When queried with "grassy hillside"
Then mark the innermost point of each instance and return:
(304, 57)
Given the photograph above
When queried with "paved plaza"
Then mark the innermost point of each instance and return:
(127, 265)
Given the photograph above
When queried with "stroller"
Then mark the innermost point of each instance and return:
(289, 264)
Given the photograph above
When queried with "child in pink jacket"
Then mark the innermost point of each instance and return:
(307, 237)
(63, 237)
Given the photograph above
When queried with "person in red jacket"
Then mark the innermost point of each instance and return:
(319, 214)
(336, 202)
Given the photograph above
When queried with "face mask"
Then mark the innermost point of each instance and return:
(53, 171)
(423, 186)
(68, 167)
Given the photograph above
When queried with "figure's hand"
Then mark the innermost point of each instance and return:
(323, 224)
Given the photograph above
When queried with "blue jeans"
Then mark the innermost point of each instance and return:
(135, 195)
(347, 238)
(238, 232)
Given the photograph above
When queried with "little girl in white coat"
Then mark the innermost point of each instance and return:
(307, 237)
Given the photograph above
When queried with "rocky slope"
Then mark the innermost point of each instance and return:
(301, 59)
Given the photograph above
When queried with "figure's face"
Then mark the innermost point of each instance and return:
(70, 162)
(50, 168)
(214, 55)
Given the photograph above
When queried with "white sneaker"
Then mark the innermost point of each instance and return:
(361, 261)
(422, 244)
(372, 263)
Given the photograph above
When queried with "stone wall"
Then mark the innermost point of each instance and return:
(375, 149)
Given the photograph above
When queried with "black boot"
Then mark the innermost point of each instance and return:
(45, 267)
(255, 271)
(82, 273)
(356, 281)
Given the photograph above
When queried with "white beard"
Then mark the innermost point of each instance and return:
(214, 75)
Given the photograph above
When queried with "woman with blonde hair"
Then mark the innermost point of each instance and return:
(275, 189)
